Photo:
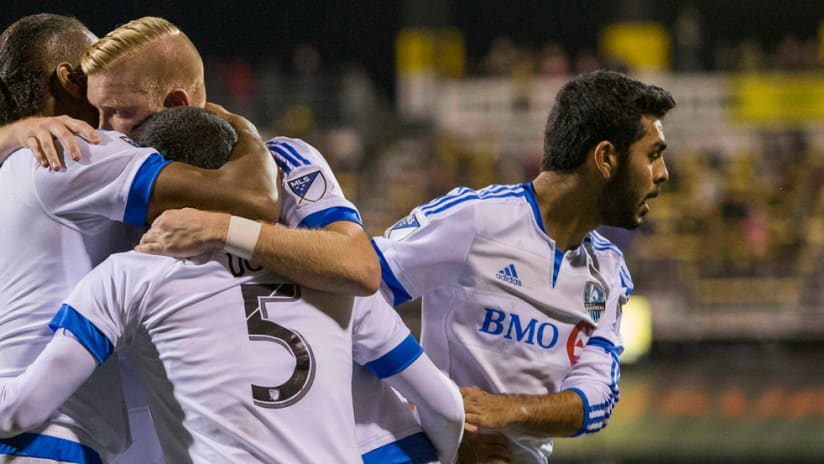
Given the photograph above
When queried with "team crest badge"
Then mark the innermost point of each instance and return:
(595, 301)
(309, 187)
(403, 228)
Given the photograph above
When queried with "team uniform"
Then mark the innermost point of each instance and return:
(240, 365)
(503, 309)
(387, 431)
(57, 226)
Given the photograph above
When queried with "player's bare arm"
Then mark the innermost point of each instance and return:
(39, 135)
(246, 185)
(337, 258)
(555, 414)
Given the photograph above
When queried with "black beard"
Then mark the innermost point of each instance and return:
(617, 207)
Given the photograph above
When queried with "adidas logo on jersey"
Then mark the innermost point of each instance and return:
(509, 275)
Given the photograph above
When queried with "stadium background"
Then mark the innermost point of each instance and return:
(408, 99)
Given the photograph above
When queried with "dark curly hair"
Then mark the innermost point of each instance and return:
(597, 106)
(30, 50)
(188, 134)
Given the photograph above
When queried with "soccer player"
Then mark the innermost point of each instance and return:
(215, 396)
(149, 64)
(521, 296)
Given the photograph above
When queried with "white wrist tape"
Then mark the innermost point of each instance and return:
(242, 237)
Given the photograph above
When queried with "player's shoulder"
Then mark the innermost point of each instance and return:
(609, 255)
(291, 153)
(484, 203)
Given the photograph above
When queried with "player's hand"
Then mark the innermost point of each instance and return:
(483, 448)
(183, 233)
(485, 410)
(39, 133)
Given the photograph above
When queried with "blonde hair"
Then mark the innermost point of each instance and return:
(124, 41)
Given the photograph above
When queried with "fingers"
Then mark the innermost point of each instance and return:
(149, 248)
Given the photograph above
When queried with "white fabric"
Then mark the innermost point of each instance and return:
(200, 345)
(309, 185)
(492, 317)
(56, 227)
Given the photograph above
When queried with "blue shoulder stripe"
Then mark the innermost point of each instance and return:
(137, 203)
(87, 334)
(294, 152)
(396, 360)
(437, 201)
(286, 163)
(506, 193)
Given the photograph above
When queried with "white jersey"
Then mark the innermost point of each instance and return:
(312, 197)
(56, 227)
(503, 309)
(387, 431)
(238, 365)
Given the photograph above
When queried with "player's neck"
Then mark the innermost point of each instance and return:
(568, 207)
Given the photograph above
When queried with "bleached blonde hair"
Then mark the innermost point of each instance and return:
(124, 41)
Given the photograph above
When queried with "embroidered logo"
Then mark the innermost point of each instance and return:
(403, 228)
(308, 187)
(595, 301)
(509, 275)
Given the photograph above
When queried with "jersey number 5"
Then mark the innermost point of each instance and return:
(255, 298)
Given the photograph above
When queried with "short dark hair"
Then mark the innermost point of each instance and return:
(188, 134)
(30, 50)
(597, 106)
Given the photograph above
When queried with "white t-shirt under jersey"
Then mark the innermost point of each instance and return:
(56, 227)
(503, 309)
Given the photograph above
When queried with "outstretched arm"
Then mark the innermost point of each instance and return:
(337, 258)
(28, 400)
(438, 403)
(39, 133)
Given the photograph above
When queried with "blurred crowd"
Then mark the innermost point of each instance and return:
(747, 217)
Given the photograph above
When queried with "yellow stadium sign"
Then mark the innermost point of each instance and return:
(777, 97)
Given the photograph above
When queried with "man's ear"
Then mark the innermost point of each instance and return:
(606, 159)
(71, 80)
(177, 97)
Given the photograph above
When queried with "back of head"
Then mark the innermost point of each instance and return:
(30, 50)
(167, 57)
(191, 135)
(594, 107)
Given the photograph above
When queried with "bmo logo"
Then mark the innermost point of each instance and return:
(532, 332)
(511, 327)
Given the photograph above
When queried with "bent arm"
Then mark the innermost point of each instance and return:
(27, 400)
(247, 185)
(337, 258)
(438, 403)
